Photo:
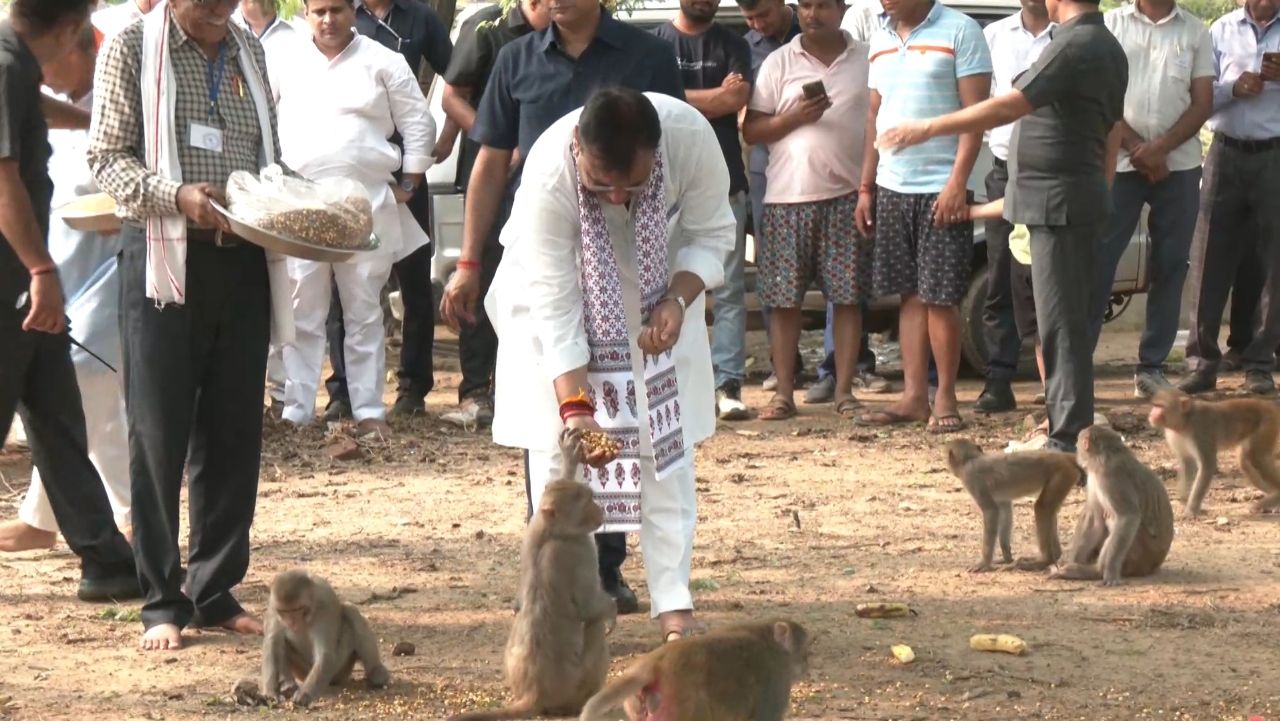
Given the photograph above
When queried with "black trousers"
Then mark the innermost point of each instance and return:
(1239, 217)
(38, 381)
(611, 548)
(478, 343)
(1003, 342)
(415, 376)
(193, 390)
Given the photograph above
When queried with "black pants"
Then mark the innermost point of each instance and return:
(193, 389)
(1003, 342)
(38, 381)
(478, 343)
(1239, 216)
(415, 376)
(1063, 263)
(611, 548)
(1246, 291)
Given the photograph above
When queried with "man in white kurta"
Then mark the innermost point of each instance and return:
(344, 97)
(549, 321)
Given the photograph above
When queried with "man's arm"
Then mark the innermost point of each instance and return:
(412, 117)
(456, 101)
(1114, 138)
(61, 115)
(864, 213)
(727, 99)
(21, 229)
(974, 89)
(438, 49)
(707, 222)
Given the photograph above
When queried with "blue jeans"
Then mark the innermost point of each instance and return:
(866, 358)
(1174, 204)
(729, 324)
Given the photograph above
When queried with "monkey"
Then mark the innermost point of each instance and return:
(1196, 430)
(557, 656)
(743, 671)
(995, 480)
(312, 640)
(1126, 526)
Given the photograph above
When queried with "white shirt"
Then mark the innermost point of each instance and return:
(280, 41)
(535, 301)
(862, 19)
(1013, 49)
(336, 117)
(112, 19)
(1163, 57)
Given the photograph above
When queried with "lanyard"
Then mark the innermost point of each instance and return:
(216, 69)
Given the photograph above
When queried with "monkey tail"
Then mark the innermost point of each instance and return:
(508, 713)
(616, 692)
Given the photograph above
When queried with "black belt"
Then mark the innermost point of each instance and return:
(999, 163)
(214, 237)
(1250, 146)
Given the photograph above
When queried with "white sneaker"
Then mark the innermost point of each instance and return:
(770, 383)
(729, 405)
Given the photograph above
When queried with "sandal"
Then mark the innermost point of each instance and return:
(884, 418)
(848, 407)
(674, 630)
(938, 426)
(780, 408)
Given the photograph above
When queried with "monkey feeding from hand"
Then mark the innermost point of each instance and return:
(1197, 430)
(557, 655)
(312, 640)
(1126, 526)
(995, 480)
(739, 672)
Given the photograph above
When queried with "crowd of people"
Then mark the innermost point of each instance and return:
(608, 193)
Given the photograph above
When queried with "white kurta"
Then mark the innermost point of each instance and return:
(535, 304)
(87, 266)
(281, 42)
(335, 119)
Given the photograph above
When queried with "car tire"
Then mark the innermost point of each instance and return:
(973, 342)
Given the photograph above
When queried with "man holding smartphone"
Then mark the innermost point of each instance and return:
(810, 108)
(1238, 196)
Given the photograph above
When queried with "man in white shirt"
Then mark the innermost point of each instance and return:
(1015, 43)
(1169, 98)
(338, 110)
(111, 19)
(598, 305)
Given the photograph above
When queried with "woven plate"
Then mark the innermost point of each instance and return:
(290, 246)
(96, 213)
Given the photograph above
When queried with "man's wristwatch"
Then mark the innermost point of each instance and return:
(408, 186)
(679, 299)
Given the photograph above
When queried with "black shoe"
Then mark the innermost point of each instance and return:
(1232, 361)
(408, 407)
(624, 597)
(1259, 383)
(996, 397)
(1199, 382)
(337, 411)
(111, 588)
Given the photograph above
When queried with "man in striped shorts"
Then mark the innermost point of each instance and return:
(926, 60)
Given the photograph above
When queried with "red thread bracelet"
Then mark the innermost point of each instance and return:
(468, 265)
(44, 270)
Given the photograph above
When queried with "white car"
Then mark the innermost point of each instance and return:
(447, 203)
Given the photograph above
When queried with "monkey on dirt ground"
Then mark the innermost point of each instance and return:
(557, 656)
(312, 640)
(1197, 430)
(995, 480)
(736, 673)
(1126, 526)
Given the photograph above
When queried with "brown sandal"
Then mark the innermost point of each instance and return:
(780, 408)
(848, 407)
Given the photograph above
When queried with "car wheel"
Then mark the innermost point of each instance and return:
(973, 343)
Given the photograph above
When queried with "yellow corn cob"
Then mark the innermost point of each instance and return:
(1003, 643)
(903, 653)
(882, 610)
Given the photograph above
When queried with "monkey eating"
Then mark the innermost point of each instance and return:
(739, 672)
(1197, 430)
(1126, 526)
(312, 640)
(995, 480)
(557, 656)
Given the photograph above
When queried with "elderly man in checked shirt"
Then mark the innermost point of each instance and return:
(195, 311)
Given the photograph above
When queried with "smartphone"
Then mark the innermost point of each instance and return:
(1271, 57)
(814, 89)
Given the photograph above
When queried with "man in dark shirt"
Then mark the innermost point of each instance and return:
(538, 79)
(412, 29)
(37, 378)
(481, 37)
(715, 65)
(1069, 102)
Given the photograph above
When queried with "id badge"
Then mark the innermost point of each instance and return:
(206, 137)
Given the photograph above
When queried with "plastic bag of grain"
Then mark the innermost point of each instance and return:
(334, 212)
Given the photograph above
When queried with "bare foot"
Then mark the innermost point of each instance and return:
(165, 637)
(19, 536)
(243, 624)
(677, 624)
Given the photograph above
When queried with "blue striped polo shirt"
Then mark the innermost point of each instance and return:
(916, 79)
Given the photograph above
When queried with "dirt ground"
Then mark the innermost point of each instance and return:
(802, 519)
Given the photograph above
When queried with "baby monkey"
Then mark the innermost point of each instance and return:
(312, 640)
(995, 480)
(739, 672)
(1196, 430)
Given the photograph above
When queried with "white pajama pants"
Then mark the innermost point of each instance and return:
(668, 516)
(102, 395)
(359, 286)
